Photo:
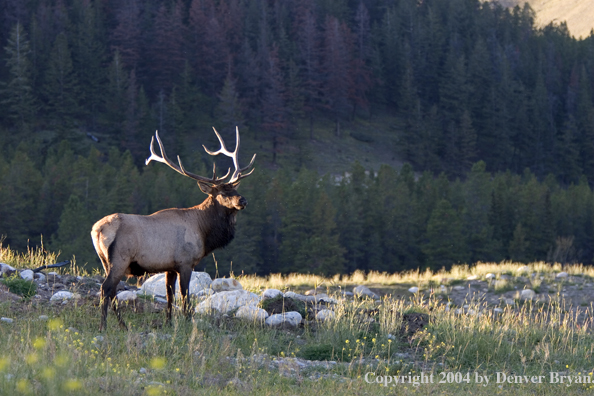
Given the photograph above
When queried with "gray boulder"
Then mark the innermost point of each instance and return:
(155, 285)
(227, 301)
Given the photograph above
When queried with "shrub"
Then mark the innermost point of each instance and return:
(22, 287)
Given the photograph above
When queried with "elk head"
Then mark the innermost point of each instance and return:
(224, 192)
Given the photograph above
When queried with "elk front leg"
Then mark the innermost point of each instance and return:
(185, 276)
(170, 280)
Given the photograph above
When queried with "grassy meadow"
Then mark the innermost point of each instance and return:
(56, 349)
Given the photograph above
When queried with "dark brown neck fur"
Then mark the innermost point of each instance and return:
(217, 223)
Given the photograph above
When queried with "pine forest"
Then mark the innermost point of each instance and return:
(488, 122)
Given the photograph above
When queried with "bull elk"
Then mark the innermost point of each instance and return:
(171, 240)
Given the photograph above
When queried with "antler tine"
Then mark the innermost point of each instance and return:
(164, 159)
(223, 150)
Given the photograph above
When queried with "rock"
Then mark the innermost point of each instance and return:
(142, 370)
(155, 285)
(509, 301)
(27, 274)
(297, 296)
(252, 313)
(6, 270)
(205, 293)
(348, 294)
(325, 314)
(472, 277)
(227, 301)
(271, 293)
(490, 276)
(562, 275)
(313, 292)
(160, 300)
(523, 269)
(497, 310)
(43, 317)
(126, 296)
(39, 277)
(527, 294)
(289, 318)
(64, 295)
(362, 291)
(459, 288)
(413, 289)
(225, 284)
(6, 320)
(504, 277)
(443, 289)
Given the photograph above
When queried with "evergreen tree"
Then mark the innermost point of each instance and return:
(72, 239)
(445, 243)
(17, 92)
(229, 110)
(61, 85)
(321, 252)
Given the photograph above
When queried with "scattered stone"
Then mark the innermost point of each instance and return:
(497, 310)
(523, 269)
(225, 284)
(27, 274)
(362, 291)
(472, 277)
(413, 289)
(6, 320)
(504, 277)
(53, 273)
(142, 370)
(510, 301)
(562, 275)
(443, 289)
(527, 294)
(160, 300)
(325, 314)
(43, 317)
(313, 292)
(155, 285)
(459, 288)
(295, 296)
(271, 293)
(227, 301)
(490, 276)
(64, 295)
(39, 277)
(289, 318)
(6, 270)
(391, 337)
(252, 313)
(126, 296)
(348, 294)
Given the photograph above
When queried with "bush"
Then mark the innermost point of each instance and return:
(20, 286)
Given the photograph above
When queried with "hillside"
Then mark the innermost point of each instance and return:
(579, 14)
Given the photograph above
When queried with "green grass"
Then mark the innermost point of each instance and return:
(223, 355)
(20, 286)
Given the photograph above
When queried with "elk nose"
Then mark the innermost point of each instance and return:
(243, 201)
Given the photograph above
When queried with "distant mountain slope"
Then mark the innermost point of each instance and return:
(579, 14)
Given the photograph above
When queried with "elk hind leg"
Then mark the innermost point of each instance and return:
(170, 280)
(185, 275)
(108, 294)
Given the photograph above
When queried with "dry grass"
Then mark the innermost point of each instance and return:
(579, 14)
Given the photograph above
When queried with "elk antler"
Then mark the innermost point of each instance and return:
(180, 169)
(223, 150)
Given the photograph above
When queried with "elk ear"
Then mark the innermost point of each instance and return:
(206, 189)
(236, 184)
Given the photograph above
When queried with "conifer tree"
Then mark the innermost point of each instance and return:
(445, 244)
(61, 85)
(19, 98)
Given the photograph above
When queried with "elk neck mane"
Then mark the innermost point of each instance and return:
(217, 222)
